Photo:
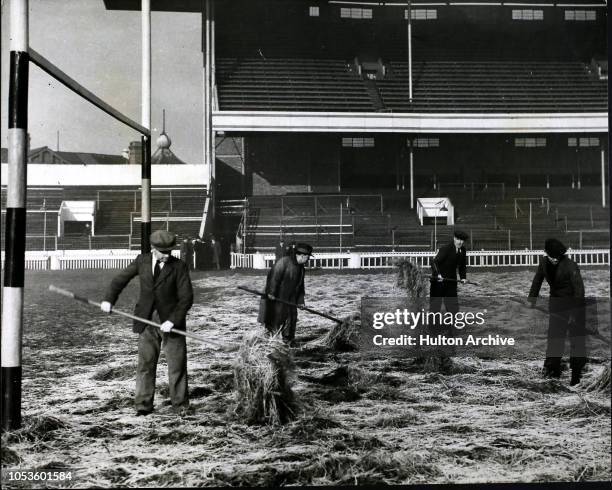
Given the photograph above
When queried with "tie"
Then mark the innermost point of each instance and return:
(156, 270)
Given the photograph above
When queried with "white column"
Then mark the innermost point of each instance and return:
(603, 178)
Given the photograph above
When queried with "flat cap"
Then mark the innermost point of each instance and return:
(554, 248)
(303, 249)
(163, 240)
(461, 235)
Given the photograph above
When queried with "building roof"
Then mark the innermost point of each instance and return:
(45, 154)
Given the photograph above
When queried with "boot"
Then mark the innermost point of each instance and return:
(576, 375)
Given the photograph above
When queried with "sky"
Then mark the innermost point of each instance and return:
(100, 49)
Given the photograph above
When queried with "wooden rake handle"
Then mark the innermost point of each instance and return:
(83, 299)
(299, 307)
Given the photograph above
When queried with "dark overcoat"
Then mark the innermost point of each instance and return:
(171, 294)
(285, 281)
(565, 282)
(447, 261)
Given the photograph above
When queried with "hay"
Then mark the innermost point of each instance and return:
(36, 429)
(263, 373)
(602, 382)
(345, 337)
(412, 278)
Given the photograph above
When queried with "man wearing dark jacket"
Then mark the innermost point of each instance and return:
(285, 281)
(566, 307)
(449, 259)
(165, 297)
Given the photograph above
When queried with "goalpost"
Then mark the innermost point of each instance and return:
(15, 229)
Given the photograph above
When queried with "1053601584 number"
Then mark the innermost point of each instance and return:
(36, 475)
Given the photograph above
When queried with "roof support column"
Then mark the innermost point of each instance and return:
(209, 143)
(603, 178)
(145, 198)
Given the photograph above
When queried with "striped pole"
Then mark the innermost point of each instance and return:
(145, 201)
(12, 292)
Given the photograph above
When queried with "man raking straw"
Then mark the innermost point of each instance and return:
(166, 295)
(566, 306)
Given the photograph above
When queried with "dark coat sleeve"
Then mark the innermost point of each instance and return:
(462, 263)
(576, 280)
(536, 284)
(438, 259)
(301, 291)
(184, 292)
(275, 277)
(121, 280)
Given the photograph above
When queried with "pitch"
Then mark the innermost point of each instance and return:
(361, 420)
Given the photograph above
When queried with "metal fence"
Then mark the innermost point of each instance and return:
(117, 259)
(384, 260)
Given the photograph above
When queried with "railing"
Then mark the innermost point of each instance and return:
(385, 260)
(80, 259)
(475, 187)
(580, 233)
(134, 195)
(117, 259)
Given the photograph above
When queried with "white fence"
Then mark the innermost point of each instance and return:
(385, 260)
(80, 259)
(118, 259)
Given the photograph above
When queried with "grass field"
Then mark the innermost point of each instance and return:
(388, 422)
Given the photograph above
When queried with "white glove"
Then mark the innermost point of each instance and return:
(166, 326)
(106, 307)
(440, 278)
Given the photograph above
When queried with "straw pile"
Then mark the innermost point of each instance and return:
(412, 278)
(344, 336)
(415, 281)
(263, 373)
(602, 382)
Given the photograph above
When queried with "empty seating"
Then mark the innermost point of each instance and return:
(493, 86)
(289, 85)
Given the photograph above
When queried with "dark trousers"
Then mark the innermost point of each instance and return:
(443, 293)
(558, 329)
(149, 345)
(286, 328)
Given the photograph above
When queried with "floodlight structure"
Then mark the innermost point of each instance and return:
(12, 292)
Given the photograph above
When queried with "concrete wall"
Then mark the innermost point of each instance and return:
(40, 175)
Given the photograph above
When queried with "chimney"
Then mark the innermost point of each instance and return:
(135, 153)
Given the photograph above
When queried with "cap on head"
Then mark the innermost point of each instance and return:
(303, 248)
(554, 248)
(461, 235)
(163, 240)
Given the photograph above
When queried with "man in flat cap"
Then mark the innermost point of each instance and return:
(165, 297)
(566, 308)
(285, 281)
(450, 259)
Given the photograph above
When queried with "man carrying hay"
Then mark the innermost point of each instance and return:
(165, 297)
(285, 281)
(566, 307)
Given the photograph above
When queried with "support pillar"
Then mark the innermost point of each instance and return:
(411, 178)
(603, 178)
(145, 199)
(15, 228)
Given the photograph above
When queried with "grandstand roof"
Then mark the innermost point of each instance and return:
(197, 5)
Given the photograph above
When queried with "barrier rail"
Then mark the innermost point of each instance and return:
(80, 259)
(384, 260)
(119, 258)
